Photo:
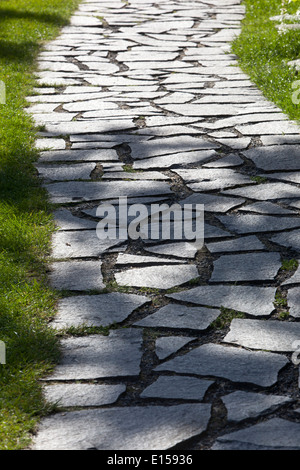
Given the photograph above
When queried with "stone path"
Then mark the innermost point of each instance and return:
(144, 100)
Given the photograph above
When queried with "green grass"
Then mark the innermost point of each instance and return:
(263, 53)
(26, 303)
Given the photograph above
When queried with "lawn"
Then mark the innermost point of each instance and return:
(26, 302)
(263, 53)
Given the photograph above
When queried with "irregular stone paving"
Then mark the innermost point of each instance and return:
(200, 346)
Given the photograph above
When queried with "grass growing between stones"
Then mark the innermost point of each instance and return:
(26, 303)
(263, 53)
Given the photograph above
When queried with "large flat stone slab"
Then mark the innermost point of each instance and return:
(294, 301)
(251, 223)
(96, 356)
(167, 345)
(76, 275)
(171, 145)
(79, 244)
(205, 179)
(129, 428)
(271, 335)
(245, 405)
(266, 191)
(182, 388)
(270, 158)
(93, 155)
(180, 316)
(257, 301)
(160, 277)
(65, 220)
(275, 434)
(246, 267)
(289, 239)
(96, 310)
(62, 193)
(235, 364)
(241, 244)
(67, 395)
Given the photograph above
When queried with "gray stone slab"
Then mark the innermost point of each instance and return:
(181, 250)
(53, 144)
(95, 356)
(265, 128)
(171, 145)
(73, 191)
(240, 143)
(290, 176)
(274, 157)
(266, 191)
(70, 395)
(246, 405)
(127, 428)
(79, 155)
(182, 388)
(76, 275)
(65, 220)
(203, 110)
(212, 178)
(279, 139)
(160, 277)
(82, 127)
(180, 316)
(250, 223)
(235, 364)
(167, 345)
(212, 231)
(265, 207)
(289, 239)
(96, 310)
(212, 202)
(294, 301)
(275, 434)
(177, 159)
(246, 267)
(240, 244)
(79, 244)
(257, 301)
(228, 161)
(272, 335)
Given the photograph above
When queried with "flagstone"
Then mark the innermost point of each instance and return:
(183, 388)
(273, 158)
(76, 275)
(82, 395)
(251, 223)
(180, 316)
(235, 364)
(270, 335)
(244, 405)
(167, 345)
(256, 301)
(124, 428)
(274, 434)
(246, 267)
(159, 277)
(96, 310)
(96, 356)
(289, 239)
(92, 191)
(249, 243)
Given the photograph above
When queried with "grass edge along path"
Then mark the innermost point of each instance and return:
(263, 53)
(26, 226)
